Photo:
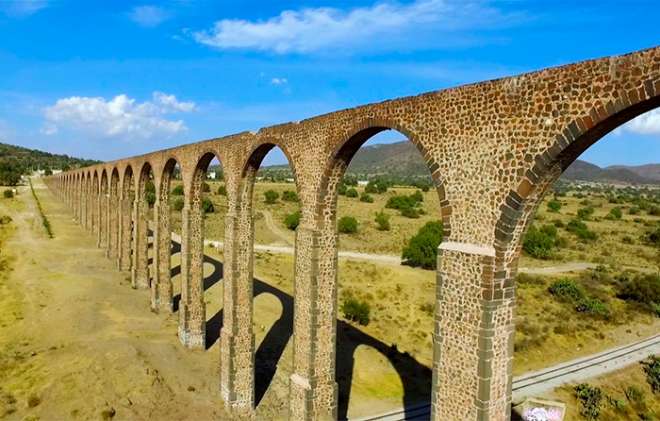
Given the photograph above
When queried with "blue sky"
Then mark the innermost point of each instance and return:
(106, 80)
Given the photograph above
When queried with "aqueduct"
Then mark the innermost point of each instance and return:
(493, 149)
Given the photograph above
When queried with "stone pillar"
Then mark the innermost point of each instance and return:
(185, 275)
(161, 286)
(473, 338)
(125, 234)
(313, 390)
(236, 337)
(196, 313)
(113, 225)
(140, 268)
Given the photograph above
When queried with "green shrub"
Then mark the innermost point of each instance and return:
(178, 190)
(366, 198)
(652, 370)
(410, 213)
(417, 196)
(222, 190)
(654, 211)
(554, 206)
(539, 243)
(356, 310)
(422, 249)
(347, 225)
(643, 289)
(382, 221)
(5, 219)
(341, 189)
(178, 204)
(207, 205)
(566, 290)
(585, 213)
(558, 223)
(351, 192)
(289, 196)
(292, 220)
(634, 210)
(590, 398)
(580, 230)
(205, 187)
(376, 186)
(615, 213)
(271, 196)
(350, 180)
(401, 202)
(8, 194)
(653, 237)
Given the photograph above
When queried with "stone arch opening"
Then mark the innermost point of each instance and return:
(113, 216)
(202, 216)
(524, 208)
(145, 199)
(169, 203)
(390, 207)
(126, 219)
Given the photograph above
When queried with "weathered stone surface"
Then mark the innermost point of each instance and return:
(493, 149)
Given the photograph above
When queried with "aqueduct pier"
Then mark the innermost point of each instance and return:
(493, 149)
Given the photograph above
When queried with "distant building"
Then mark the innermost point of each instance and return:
(211, 175)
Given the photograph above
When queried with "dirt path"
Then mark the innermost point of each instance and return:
(274, 228)
(76, 342)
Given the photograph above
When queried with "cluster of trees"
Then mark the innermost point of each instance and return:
(422, 248)
(408, 205)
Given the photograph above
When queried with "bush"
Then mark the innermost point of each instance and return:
(5, 219)
(585, 213)
(568, 290)
(366, 198)
(207, 205)
(351, 192)
(356, 310)
(410, 213)
(422, 249)
(205, 187)
(539, 243)
(590, 398)
(271, 196)
(178, 190)
(580, 229)
(341, 189)
(654, 211)
(652, 370)
(348, 225)
(289, 196)
(643, 289)
(615, 213)
(653, 237)
(634, 210)
(406, 205)
(222, 190)
(554, 206)
(8, 194)
(178, 204)
(292, 220)
(382, 221)
(350, 180)
(150, 193)
(376, 186)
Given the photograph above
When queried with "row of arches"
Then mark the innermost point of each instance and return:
(491, 161)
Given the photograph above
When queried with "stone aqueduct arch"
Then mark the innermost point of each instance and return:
(493, 149)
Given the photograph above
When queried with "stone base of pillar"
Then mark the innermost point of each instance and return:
(304, 405)
(192, 340)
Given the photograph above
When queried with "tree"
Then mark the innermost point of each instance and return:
(351, 192)
(8, 193)
(271, 196)
(382, 221)
(422, 249)
(178, 204)
(178, 190)
(205, 187)
(48, 172)
(341, 189)
(356, 310)
(207, 205)
(615, 213)
(348, 225)
(222, 190)
(364, 197)
(554, 206)
(289, 196)
(539, 243)
(292, 220)
(150, 193)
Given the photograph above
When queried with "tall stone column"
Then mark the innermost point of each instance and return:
(140, 269)
(313, 390)
(473, 338)
(125, 234)
(236, 336)
(102, 218)
(184, 315)
(161, 286)
(196, 307)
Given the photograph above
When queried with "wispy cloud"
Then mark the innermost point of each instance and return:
(277, 81)
(120, 116)
(22, 8)
(383, 26)
(148, 16)
(647, 123)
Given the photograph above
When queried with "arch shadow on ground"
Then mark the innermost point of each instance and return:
(415, 377)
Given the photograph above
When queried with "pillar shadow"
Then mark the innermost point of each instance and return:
(415, 377)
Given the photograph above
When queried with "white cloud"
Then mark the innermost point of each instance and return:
(120, 116)
(647, 123)
(22, 8)
(148, 16)
(385, 25)
(277, 81)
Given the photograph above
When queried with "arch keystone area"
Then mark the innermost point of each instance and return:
(493, 149)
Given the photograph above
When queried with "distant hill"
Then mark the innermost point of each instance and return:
(402, 160)
(16, 161)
